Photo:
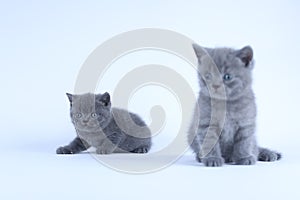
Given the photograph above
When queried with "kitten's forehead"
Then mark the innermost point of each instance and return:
(226, 60)
(84, 103)
(218, 61)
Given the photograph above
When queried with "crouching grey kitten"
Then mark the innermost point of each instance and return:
(226, 83)
(109, 130)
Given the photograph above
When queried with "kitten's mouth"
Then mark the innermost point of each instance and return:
(82, 126)
(217, 93)
(86, 126)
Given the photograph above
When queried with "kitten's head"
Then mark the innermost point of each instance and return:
(231, 78)
(90, 111)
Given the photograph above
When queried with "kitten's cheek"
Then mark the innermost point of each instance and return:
(239, 90)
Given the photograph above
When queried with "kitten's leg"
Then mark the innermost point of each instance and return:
(210, 153)
(76, 146)
(244, 143)
(110, 144)
(268, 155)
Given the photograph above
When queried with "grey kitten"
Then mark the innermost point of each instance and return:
(229, 138)
(109, 130)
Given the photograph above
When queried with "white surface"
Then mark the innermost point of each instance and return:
(43, 45)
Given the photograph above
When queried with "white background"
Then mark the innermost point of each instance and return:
(42, 47)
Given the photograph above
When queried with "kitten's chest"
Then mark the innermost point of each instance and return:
(229, 129)
(237, 116)
(92, 138)
(240, 114)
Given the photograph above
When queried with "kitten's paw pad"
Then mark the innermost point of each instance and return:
(63, 150)
(251, 160)
(103, 151)
(212, 161)
(141, 150)
(269, 156)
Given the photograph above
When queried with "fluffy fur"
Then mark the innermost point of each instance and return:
(109, 130)
(229, 84)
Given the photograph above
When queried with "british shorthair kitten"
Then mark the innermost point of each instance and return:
(109, 130)
(226, 83)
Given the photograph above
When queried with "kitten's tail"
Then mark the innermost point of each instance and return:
(268, 155)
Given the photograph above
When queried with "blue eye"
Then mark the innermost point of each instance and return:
(227, 77)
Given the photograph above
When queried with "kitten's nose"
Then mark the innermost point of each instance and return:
(85, 121)
(215, 86)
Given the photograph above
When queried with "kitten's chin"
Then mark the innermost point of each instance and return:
(87, 128)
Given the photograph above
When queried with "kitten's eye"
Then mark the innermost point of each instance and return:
(78, 115)
(227, 77)
(94, 115)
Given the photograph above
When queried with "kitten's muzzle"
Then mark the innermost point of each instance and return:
(216, 86)
(85, 121)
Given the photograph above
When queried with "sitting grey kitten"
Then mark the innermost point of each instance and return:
(232, 138)
(109, 130)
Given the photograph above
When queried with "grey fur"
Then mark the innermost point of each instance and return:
(109, 130)
(237, 142)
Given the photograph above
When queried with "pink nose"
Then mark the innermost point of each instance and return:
(85, 121)
(215, 86)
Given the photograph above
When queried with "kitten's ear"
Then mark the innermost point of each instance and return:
(70, 97)
(246, 55)
(198, 51)
(104, 99)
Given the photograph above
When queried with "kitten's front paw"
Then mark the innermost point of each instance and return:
(141, 150)
(103, 151)
(63, 150)
(250, 160)
(268, 156)
(212, 161)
